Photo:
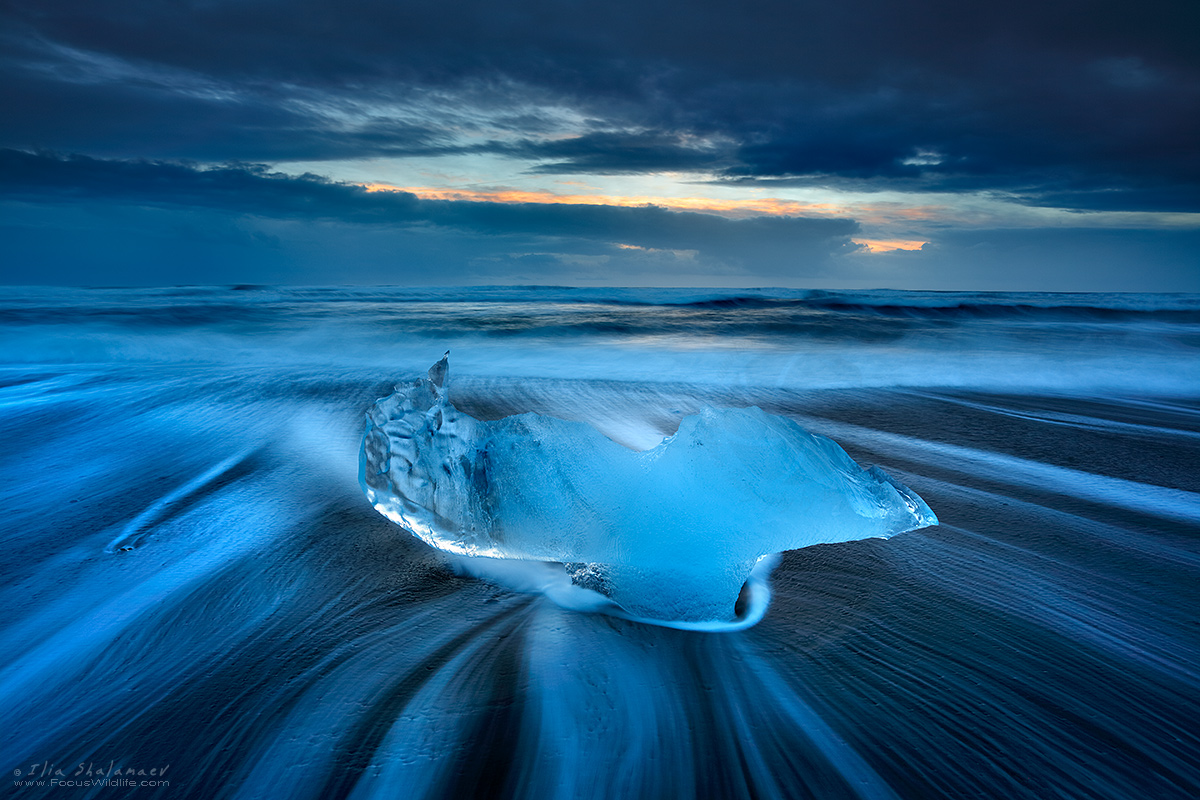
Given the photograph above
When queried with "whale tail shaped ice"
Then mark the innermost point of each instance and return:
(671, 533)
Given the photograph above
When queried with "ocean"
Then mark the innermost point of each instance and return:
(198, 596)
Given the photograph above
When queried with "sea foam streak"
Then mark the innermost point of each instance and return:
(672, 533)
(270, 633)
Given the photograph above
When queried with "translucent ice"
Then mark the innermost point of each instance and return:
(671, 533)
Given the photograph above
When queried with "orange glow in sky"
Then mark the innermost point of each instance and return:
(885, 245)
(752, 207)
(879, 216)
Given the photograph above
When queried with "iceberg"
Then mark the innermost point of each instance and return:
(668, 534)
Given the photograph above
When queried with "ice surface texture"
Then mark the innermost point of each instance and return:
(670, 533)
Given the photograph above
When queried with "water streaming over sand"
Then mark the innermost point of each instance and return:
(194, 580)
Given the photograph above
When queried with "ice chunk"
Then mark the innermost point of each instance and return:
(670, 533)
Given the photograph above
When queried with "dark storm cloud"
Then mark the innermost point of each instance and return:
(61, 98)
(1025, 96)
(625, 152)
(242, 189)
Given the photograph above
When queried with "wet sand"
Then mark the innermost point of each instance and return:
(268, 634)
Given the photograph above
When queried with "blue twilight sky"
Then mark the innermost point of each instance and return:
(931, 144)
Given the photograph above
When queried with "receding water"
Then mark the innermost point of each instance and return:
(194, 581)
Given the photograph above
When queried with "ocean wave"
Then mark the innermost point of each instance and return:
(785, 339)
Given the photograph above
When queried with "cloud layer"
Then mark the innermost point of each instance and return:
(546, 238)
(1071, 105)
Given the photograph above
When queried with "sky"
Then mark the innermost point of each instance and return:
(932, 144)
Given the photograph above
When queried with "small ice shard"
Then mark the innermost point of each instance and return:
(670, 533)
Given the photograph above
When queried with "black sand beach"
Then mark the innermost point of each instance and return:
(195, 583)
